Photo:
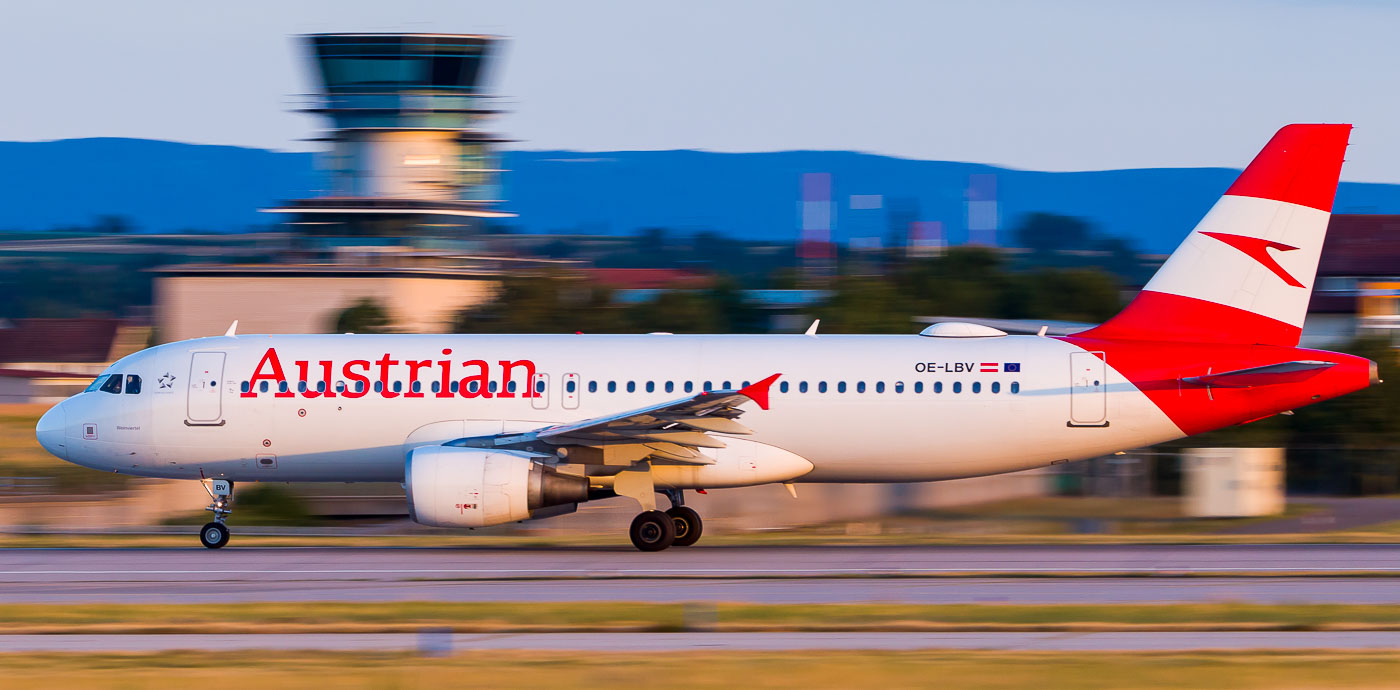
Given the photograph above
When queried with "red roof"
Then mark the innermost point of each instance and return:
(58, 340)
(649, 278)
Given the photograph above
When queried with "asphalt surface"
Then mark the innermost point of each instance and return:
(743, 642)
(923, 574)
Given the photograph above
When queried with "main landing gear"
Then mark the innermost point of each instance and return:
(215, 534)
(654, 530)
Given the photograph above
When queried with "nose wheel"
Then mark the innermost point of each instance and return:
(214, 535)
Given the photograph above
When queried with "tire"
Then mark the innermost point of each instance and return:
(213, 535)
(688, 525)
(652, 531)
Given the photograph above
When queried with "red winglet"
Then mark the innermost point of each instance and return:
(1300, 165)
(758, 392)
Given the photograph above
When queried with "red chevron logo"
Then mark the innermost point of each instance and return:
(1258, 249)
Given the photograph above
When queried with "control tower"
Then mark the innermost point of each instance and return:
(408, 154)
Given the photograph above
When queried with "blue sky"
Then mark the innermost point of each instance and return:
(1065, 85)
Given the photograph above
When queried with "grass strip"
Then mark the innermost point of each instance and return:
(514, 617)
(726, 670)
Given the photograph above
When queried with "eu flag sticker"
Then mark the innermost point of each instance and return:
(1011, 367)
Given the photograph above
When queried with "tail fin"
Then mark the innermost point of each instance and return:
(1245, 274)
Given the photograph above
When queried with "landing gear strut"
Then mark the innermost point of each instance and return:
(215, 534)
(687, 521)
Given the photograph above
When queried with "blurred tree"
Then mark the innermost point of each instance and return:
(862, 304)
(1047, 232)
(552, 303)
(364, 316)
(679, 311)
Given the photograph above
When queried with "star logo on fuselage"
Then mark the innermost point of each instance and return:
(1258, 249)
(166, 380)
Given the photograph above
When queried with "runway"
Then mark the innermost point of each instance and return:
(709, 642)
(924, 574)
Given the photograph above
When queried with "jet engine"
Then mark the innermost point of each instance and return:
(477, 487)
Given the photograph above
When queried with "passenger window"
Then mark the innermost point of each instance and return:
(454, 386)
(708, 386)
(571, 386)
(416, 387)
(262, 387)
(727, 386)
(612, 386)
(244, 387)
(378, 386)
(510, 386)
(340, 386)
(113, 384)
(592, 386)
(301, 386)
(744, 384)
(976, 386)
(670, 387)
(860, 386)
(321, 386)
(539, 386)
(360, 386)
(918, 386)
(957, 386)
(938, 386)
(996, 386)
(783, 386)
(840, 386)
(491, 387)
(802, 387)
(281, 386)
(1015, 387)
(689, 386)
(821, 387)
(474, 386)
(898, 386)
(437, 387)
(133, 384)
(651, 386)
(631, 386)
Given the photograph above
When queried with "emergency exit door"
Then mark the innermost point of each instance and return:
(204, 407)
(1088, 391)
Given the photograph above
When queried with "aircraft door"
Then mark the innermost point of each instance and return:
(1088, 392)
(539, 386)
(571, 391)
(204, 406)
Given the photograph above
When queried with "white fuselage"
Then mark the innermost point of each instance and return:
(875, 408)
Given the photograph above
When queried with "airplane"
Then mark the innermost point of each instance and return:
(485, 430)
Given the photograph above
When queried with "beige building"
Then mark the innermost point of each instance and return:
(198, 301)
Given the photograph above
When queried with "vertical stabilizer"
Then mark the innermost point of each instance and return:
(1245, 274)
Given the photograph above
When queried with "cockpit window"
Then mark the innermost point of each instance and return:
(96, 383)
(113, 384)
(133, 384)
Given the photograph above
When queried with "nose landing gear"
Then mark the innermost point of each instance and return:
(215, 534)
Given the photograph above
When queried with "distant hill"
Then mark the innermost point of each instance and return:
(164, 186)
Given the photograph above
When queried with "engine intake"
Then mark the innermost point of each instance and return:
(477, 487)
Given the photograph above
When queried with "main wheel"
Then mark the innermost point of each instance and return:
(653, 531)
(213, 535)
(688, 525)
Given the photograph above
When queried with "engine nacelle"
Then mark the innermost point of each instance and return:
(476, 487)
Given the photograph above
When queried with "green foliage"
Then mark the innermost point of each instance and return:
(365, 316)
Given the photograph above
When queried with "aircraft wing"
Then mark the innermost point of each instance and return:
(1283, 372)
(674, 431)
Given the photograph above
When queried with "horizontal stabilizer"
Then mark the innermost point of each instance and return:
(1283, 372)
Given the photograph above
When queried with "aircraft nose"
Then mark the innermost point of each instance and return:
(49, 431)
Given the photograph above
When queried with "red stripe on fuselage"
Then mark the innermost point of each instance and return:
(1158, 369)
(1161, 316)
